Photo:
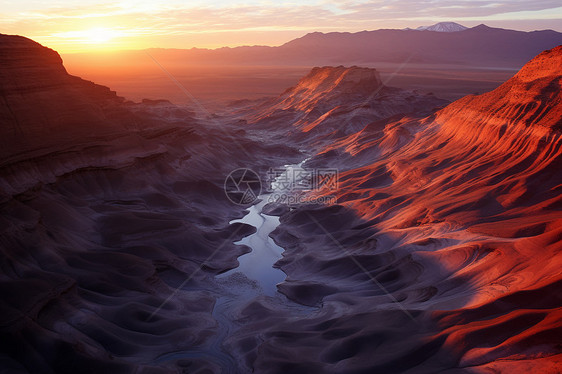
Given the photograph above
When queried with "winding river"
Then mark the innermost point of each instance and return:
(255, 277)
(257, 265)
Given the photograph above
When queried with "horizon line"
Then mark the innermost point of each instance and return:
(109, 51)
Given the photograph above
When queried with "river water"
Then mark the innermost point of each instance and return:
(257, 265)
(255, 277)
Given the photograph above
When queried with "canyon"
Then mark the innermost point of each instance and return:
(120, 248)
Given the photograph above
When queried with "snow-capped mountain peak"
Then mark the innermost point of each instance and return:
(443, 27)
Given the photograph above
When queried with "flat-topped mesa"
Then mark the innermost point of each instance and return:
(531, 99)
(330, 86)
(340, 79)
(337, 100)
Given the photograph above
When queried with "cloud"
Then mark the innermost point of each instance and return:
(444, 9)
(151, 19)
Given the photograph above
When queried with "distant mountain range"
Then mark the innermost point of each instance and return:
(480, 46)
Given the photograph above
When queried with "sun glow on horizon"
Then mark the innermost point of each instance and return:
(99, 37)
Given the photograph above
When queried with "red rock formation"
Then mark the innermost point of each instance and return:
(341, 100)
(531, 98)
(467, 204)
(327, 85)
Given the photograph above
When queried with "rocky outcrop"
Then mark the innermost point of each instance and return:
(532, 98)
(328, 86)
(340, 100)
(41, 106)
(53, 124)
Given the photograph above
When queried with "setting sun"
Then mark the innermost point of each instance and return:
(99, 35)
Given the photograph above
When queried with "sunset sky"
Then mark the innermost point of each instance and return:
(98, 25)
